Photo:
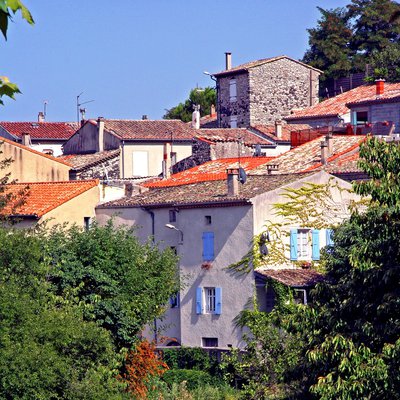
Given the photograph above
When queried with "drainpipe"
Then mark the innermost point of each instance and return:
(123, 159)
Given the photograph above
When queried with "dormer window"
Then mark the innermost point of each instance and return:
(232, 90)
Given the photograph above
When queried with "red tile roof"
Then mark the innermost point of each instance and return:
(209, 171)
(164, 129)
(231, 135)
(307, 157)
(209, 121)
(337, 105)
(43, 197)
(293, 277)
(389, 96)
(252, 64)
(34, 151)
(269, 130)
(41, 130)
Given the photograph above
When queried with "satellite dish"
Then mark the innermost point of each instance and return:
(242, 175)
(257, 151)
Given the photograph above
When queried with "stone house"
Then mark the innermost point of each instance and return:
(46, 137)
(260, 92)
(147, 148)
(29, 165)
(71, 202)
(211, 224)
(336, 111)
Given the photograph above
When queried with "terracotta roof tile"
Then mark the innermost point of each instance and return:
(337, 105)
(34, 151)
(293, 277)
(164, 129)
(43, 197)
(41, 130)
(83, 161)
(389, 96)
(232, 135)
(307, 157)
(252, 64)
(209, 171)
(204, 193)
(269, 130)
(209, 121)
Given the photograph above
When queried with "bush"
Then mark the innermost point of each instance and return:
(192, 377)
(188, 358)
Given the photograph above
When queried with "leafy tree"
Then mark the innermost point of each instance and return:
(120, 283)
(198, 96)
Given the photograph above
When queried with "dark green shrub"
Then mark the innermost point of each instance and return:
(189, 358)
(192, 377)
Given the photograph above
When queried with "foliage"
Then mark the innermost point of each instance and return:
(47, 350)
(141, 364)
(385, 64)
(189, 358)
(347, 39)
(198, 96)
(118, 282)
(193, 378)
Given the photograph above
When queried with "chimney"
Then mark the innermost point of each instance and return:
(144, 117)
(380, 86)
(40, 116)
(278, 128)
(271, 168)
(324, 152)
(166, 164)
(228, 61)
(128, 189)
(26, 139)
(212, 110)
(233, 181)
(196, 117)
(100, 129)
(329, 142)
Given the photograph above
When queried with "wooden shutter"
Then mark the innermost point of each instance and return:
(293, 244)
(199, 300)
(315, 244)
(218, 300)
(208, 246)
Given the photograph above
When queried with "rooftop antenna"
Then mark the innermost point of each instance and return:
(45, 102)
(80, 104)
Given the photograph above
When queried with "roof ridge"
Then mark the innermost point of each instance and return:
(56, 182)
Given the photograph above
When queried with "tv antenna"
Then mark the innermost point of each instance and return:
(45, 102)
(78, 105)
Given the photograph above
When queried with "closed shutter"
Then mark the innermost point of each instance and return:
(293, 244)
(218, 300)
(199, 300)
(315, 244)
(329, 238)
(208, 246)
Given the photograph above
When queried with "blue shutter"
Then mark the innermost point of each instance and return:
(354, 118)
(199, 300)
(315, 244)
(329, 239)
(218, 300)
(208, 246)
(293, 244)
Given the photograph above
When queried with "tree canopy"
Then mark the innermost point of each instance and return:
(204, 97)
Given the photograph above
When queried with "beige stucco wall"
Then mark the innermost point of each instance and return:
(155, 156)
(28, 166)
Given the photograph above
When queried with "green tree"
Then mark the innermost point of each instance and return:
(120, 283)
(204, 97)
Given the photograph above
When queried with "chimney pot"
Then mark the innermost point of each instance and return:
(278, 128)
(329, 142)
(324, 152)
(41, 116)
(228, 60)
(144, 117)
(380, 86)
(233, 181)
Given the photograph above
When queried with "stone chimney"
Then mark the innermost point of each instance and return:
(228, 61)
(40, 116)
(278, 128)
(100, 129)
(380, 86)
(324, 152)
(329, 142)
(26, 139)
(233, 181)
(128, 186)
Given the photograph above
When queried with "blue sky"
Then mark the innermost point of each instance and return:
(136, 57)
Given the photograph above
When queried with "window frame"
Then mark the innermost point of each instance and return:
(210, 299)
(232, 90)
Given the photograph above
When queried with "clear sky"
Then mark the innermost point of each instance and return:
(135, 57)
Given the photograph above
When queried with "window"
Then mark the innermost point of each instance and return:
(304, 245)
(208, 219)
(209, 300)
(209, 342)
(175, 300)
(300, 296)
(232, 90)
(172, 216)
(86, 223)
(140, 163)
(233, 121)
(174, 249)
(208, 246)
(359, 117)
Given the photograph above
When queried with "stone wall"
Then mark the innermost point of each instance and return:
(278, 87)
(267, 92)
(318, 122)
(230, 150)
(99, 171)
